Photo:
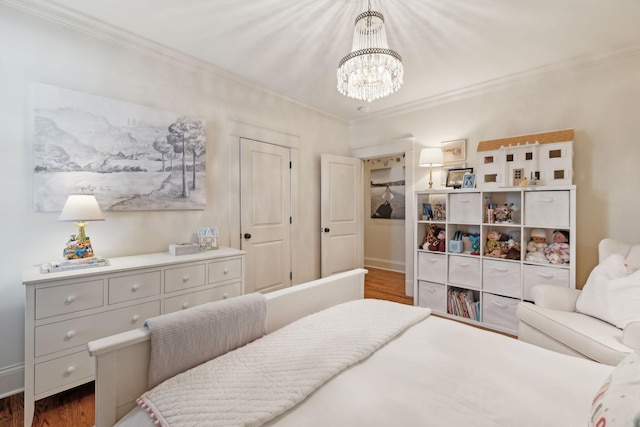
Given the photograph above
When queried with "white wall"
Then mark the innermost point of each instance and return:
(601, 102)
(33, 49)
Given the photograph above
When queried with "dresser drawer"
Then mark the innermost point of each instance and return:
(546, 208)
(71, 333)
(465, 208)
(185, 277)
(500, 312)
(226, 269)
(432, 267)
(65, 370)
(432, 295)
(464, 271)
(134, 286)
(65, 299)
(201, 297)
(541, 275)
(501, 277)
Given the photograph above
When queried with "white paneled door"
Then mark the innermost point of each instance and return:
(265, 186)
(341, 214)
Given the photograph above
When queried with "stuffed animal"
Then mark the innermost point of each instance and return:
(496, 245)
(439, 244)
(475, 244)
(557, 252)
(537, 246)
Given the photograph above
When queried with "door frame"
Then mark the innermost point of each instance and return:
(241, 129)
(406, 146)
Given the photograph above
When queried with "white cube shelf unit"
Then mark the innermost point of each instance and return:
(482, 287)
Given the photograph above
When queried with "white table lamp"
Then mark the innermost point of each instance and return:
(80, 208)
(431, 156)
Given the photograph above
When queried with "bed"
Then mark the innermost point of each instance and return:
(425, 371)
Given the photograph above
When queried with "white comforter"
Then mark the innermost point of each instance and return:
(443, 373)
(261, 380)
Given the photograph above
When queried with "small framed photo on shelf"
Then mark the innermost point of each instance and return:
(454, 176)
(469, 180)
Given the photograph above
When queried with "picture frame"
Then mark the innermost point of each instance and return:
(446, 168)
(469, 180)
(454, 176)
(454, 151)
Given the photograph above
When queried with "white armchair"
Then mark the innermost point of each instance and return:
(552, 321)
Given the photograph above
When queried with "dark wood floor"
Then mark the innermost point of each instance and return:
(75, 407)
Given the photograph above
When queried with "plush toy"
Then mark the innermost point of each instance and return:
(475, 244)
(496, 245)
(557, 252)
(439, 244)
(537, 246)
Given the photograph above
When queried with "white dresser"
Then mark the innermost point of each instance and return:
(65, 310)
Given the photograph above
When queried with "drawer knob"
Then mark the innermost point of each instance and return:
(432, 260)
(185, 279)
(501, 269)
(546, 200)
(135, 287)
(135, 318)
(70, 370)
(69, 299)
(225, 296)
(225, 271)
(499, 304)
(546, 275)
(464, 264)
(185, 305)
(70, 335)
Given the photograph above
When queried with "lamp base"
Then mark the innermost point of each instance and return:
(77, 248)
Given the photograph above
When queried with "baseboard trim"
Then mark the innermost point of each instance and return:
(11, 380)
(385, 264)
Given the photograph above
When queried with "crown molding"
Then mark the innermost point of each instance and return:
(502, 83)
(98, 29)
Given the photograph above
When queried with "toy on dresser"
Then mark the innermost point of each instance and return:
(557, 252)
(537, 246)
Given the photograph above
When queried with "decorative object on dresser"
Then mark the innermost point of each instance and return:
(208, 238)
(64, 310)
(80, 208)
(431, 156)
(527, 160)
(492, 273)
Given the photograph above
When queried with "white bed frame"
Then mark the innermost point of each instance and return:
(122, 361)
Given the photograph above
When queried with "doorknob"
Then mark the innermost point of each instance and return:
(324, 230)
(247, 236)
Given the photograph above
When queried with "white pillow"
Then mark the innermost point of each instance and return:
(593, 299)
(623, 302)
(617, 404)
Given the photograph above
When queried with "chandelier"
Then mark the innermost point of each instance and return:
(371, 70)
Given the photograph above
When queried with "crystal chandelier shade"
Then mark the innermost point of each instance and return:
(371, 70)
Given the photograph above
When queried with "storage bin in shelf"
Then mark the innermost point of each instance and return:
(432, 266)
(465, 270)
(547, 208)
(543, 275)
(465, 208)
(501, 277)
(432, 295)
(500, 312)
(463, 303)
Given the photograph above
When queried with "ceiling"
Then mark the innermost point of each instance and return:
(453, 47)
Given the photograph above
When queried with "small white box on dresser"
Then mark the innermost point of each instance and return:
(184, 248)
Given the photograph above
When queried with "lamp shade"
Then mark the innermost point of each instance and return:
(81, 208)
(431, 156)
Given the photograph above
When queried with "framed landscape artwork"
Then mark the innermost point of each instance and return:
(130, 156)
